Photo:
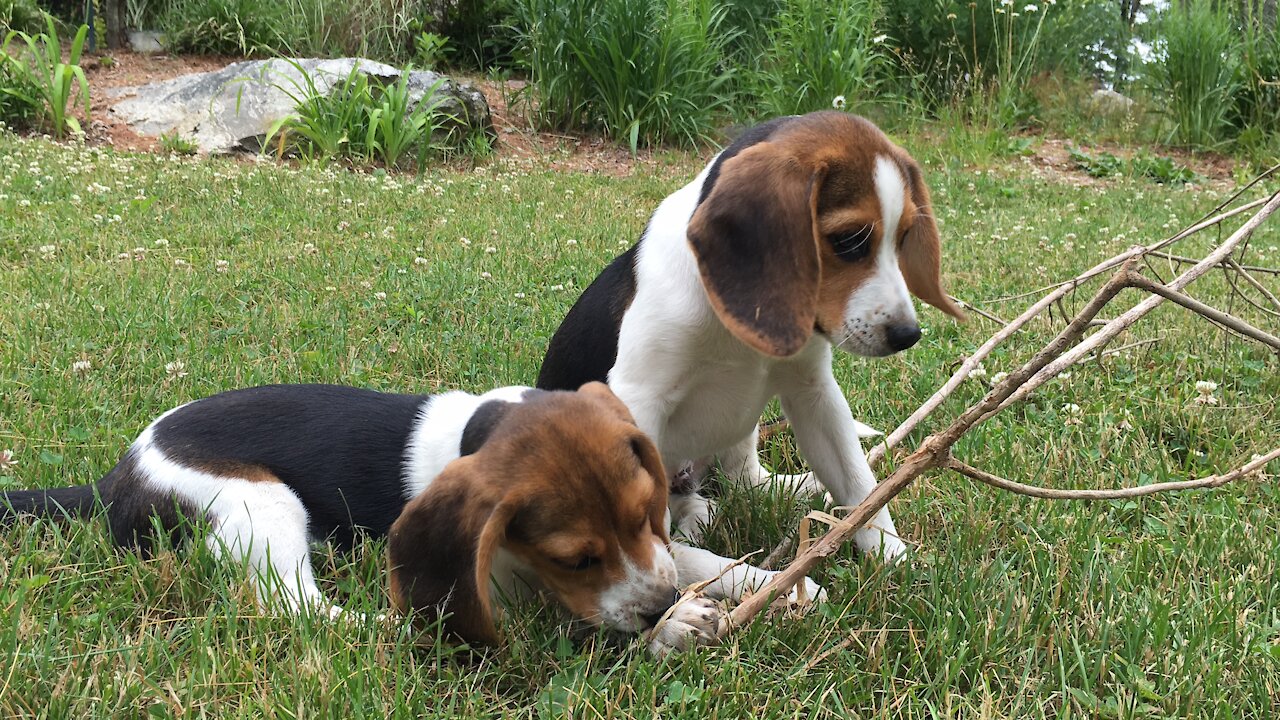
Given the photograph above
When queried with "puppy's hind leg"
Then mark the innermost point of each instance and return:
(263, 526)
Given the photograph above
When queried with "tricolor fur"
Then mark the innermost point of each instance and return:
(805, 234)
(482, 495)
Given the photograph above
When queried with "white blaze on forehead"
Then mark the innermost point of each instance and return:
(891, 189)
(882, 300)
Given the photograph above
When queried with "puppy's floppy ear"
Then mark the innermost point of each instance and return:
(755, 239)
(600, 392)
(441, 548)
(651, 461)
(920, 256)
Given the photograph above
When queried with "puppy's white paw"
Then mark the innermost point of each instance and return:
(693, 622)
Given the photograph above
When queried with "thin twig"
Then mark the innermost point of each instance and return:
(1192, 261)
(1210, 481)
(1122, 323)
(1057, 291)
(1254, 282)
(1116, 351)
(778, 552)
(1190, 303)
(979, 311)
(1106, 265)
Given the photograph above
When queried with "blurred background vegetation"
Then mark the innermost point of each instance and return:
(1199, 74)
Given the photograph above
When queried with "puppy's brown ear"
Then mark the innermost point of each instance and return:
(651, 461)
(441, 548)
(601, 393)
(755, 239)
(920, 257)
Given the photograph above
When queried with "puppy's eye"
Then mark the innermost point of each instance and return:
(578, 564)
(851, 245)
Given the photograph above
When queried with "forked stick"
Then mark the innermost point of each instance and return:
(1066, 349)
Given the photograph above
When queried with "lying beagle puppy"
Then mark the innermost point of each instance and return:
(491, 495)
(807, 233)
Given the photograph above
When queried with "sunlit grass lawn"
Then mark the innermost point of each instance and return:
(169, 280)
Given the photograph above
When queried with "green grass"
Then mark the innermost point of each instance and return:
(1011, 607)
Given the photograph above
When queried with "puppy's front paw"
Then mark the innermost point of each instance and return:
(692, 622)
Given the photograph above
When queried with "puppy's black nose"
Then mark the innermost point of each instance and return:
(653, 619)
(902, 337)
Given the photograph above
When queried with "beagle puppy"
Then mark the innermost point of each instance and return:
(483, 496)
(807, 233)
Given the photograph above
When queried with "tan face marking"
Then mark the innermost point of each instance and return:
(779, 205)
(590, 522)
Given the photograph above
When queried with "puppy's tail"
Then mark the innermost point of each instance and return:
(78, 501)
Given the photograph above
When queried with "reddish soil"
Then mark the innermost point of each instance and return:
(516, 139)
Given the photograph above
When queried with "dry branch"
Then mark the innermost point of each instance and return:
(1213, 314)
(1057, 292)
(1244, 273)
(1210, 481)
(1068, 347)
(1192, 261)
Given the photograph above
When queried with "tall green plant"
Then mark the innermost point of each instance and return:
(818, 52)
(323, 124)
(51, 83)
(358, 118)
(643, 71)
(1197, 74)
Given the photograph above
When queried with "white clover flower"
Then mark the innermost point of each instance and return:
(951, 16)
(221, 265)
(978, 372)
(519, 296)
(6, 460)
(1206, 388)
(570, 241)
(999, 378)
(420, 261)
(485, 275)
(879, 39)
(490, 250)
(1031, 9)
(838, 102)
(81, 367)
(179, 262)
(48, 249)
(161, 242)
(380, 295)
(1074, 414)
(557, 287)
(176, 369)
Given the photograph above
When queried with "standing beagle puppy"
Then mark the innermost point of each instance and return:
(807, 233)
(483, 496)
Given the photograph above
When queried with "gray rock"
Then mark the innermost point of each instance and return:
(1109, 102)
(233, 108)
(146, 42)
